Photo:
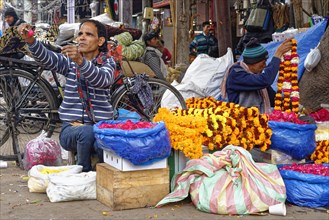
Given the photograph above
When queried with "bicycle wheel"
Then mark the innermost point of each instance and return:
(160, 90)
(28, 105)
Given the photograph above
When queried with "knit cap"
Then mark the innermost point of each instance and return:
(150, 35)
(11, 12)
(254, 52)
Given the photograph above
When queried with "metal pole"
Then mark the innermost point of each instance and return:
(70, 11)
(28, 11)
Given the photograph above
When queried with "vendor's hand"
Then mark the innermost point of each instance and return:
(72, 51)
(283, 48)
(23, 31)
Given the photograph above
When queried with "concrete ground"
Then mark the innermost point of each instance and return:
(16, 202)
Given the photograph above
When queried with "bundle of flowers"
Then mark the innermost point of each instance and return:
(321, 116)
(185, 132)
(281, 116)
(229, 123)
(321, 153)
(287, 96)
(316, 169)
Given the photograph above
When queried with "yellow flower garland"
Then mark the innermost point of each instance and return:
(185, 132)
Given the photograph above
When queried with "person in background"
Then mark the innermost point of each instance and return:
(248, 82)
(166, 55)
(152, 55)
(192, 55)
(89, 73)
(202, 42)
(12, 18)
(213, 49)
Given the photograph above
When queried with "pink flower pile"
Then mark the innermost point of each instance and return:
(321, 115)
(316, 169)
(281, 116)
(128, 125)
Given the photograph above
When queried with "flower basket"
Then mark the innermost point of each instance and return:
(141, 146)
(304, 189)
(296, 140)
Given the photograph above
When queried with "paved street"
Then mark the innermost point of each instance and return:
(16, 202)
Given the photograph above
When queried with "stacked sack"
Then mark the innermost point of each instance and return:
(131, 49)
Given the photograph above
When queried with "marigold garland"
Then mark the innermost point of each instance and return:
(287, 96)
(230, 123)
(185, 132)
(321, 153)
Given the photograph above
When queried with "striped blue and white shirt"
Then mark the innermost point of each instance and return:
(202, 42)
(99, 80)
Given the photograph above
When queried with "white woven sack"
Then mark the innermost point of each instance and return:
(81, 186)
(38, 181)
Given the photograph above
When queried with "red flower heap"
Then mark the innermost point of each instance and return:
(288, 82)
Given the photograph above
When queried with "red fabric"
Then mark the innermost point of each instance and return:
(166, 55)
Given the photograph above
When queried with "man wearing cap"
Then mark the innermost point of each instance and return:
(247, 82)
(202, 42)
(152, 56)
(11, 18)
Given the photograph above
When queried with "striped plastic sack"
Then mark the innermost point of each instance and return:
(228, 182)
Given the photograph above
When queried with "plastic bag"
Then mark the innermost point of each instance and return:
(306, 189)
(296, 140)
(228, 182)
(42, 150)
(312, 59)
(140, 146)
(39, 175)
(71, 187)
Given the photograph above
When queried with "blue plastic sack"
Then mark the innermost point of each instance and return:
(296, 140)
(140, 146)
(307, 190)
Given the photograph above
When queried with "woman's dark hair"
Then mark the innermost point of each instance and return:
(101, 31)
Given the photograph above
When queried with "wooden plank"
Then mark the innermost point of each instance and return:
(133, 189)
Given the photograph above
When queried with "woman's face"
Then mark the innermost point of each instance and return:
(154, 42)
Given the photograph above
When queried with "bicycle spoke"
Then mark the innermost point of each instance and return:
(27, 107)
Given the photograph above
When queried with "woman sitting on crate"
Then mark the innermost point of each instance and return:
(89, 72)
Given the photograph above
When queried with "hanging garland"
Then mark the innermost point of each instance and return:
(287, 96)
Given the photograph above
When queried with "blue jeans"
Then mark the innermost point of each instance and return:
(80, 139)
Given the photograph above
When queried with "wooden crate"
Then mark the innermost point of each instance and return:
(131, 189)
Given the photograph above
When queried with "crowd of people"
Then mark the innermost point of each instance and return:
(88, 67)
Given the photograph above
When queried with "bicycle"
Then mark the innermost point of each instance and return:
(29, 104)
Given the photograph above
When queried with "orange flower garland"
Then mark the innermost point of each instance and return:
(287, 96)
(321, 153)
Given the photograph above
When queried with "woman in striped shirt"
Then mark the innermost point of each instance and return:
(89, 73)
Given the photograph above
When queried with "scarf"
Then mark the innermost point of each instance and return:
(263, 92)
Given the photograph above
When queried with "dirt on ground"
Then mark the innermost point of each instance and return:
(16, 202)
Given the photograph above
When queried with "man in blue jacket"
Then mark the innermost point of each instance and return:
(203, 42)
(247, 82)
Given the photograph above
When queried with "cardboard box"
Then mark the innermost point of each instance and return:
(133, 189)
(122, 164)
